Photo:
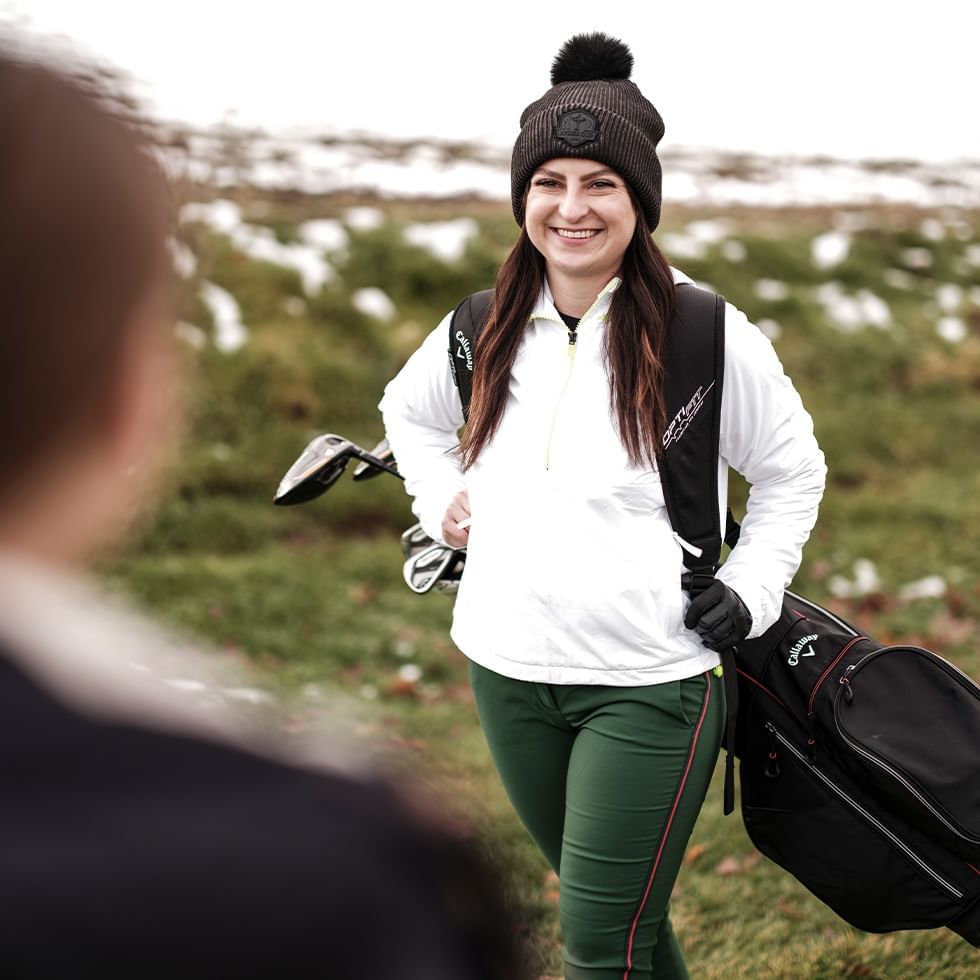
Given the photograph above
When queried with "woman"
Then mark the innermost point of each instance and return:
(595, 686)
(140, 835)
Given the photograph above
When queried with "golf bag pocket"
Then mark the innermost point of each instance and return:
(871, 873)
(912, 722)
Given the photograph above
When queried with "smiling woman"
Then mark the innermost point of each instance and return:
(595, 682)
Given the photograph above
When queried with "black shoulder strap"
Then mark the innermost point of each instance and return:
(464, 327)
(695, 372)
(695, 376)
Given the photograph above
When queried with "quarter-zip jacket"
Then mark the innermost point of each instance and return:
(573, 571)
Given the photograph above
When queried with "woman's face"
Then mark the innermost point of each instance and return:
(580, 217)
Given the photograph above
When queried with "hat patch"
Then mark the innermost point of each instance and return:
(577, 127)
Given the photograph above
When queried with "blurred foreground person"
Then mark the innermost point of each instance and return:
(135, 839)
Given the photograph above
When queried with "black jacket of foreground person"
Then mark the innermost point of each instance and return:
(155, 848)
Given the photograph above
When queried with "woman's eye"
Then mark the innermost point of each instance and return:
(546, 182)
(602, 184)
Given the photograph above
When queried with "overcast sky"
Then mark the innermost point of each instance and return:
(852, 78)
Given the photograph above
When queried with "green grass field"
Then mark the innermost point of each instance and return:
(312, 596)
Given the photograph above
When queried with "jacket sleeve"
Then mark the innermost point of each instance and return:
(767, 436)
(422, 417)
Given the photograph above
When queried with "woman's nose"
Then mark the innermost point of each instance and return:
(573, 205)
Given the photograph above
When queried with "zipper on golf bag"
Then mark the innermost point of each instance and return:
(867, 817)
(884, 744)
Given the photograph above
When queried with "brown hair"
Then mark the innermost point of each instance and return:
(635, 344)
(83, 247)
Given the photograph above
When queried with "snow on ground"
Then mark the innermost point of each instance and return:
(930, 587)
(229, 331)
(695, 177)
(260, 242)
(444, 239)
(771, 290)
(852, 313)
(325, 234)
(373, 302)
(696, 238)
(830, 249)
(949, 296)
(865, 581)
(951, 329)
(364, 219)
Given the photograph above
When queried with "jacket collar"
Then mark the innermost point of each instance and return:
(545, 308)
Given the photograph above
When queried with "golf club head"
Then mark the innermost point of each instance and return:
(430, 565)
(317, 469)
(382, 451)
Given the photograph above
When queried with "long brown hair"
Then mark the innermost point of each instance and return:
(86, 218)
(635, 343)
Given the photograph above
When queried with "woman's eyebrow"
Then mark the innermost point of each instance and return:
(561, 176)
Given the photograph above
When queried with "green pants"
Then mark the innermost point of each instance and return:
(608, 782)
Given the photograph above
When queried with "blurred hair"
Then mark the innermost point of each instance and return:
(86, 217)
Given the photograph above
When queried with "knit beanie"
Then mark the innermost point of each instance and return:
(595, 112)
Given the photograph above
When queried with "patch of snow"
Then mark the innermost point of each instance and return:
(364, 218)
(853, 313)
(734, 251)
(680, 246)
(930, 587)
(830, 249)
(410, 673)
(444, 239)
(372, 301)
(932, 229)
(972, 254)
(865, 581)
(770, 328)
(949, 296)
(325, 234)
(185, 264)
(221, 215)
(917, 258)
(191, 335)
(229, 331)
(951, 328)
(771, 290)
(899, 279)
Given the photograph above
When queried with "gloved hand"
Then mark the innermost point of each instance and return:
(719, 616)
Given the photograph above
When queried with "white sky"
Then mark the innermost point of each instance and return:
(851, 78)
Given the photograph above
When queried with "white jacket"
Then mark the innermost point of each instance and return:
(573, 571)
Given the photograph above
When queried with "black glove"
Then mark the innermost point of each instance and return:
(719, 616)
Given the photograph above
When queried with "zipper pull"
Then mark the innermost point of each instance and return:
(572, 336)
(811, 741)
(845, 682)
(771, 768)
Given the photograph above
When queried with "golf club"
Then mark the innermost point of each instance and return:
(319, 467)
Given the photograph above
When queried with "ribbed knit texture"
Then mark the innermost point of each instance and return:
(629, 130)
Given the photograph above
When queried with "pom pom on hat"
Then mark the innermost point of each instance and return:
(589, 57)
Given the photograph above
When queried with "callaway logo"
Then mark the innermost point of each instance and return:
(686, 416)
(796, 651)
(463, 352)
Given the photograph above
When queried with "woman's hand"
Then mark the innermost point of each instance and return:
(457, 511)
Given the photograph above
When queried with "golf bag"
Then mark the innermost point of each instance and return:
(859, 763)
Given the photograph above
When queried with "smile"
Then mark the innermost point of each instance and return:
(584, 233)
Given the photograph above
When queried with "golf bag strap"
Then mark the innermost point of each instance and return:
(695, 372)
(467, 321)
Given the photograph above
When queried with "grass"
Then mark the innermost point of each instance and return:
(312, 599)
